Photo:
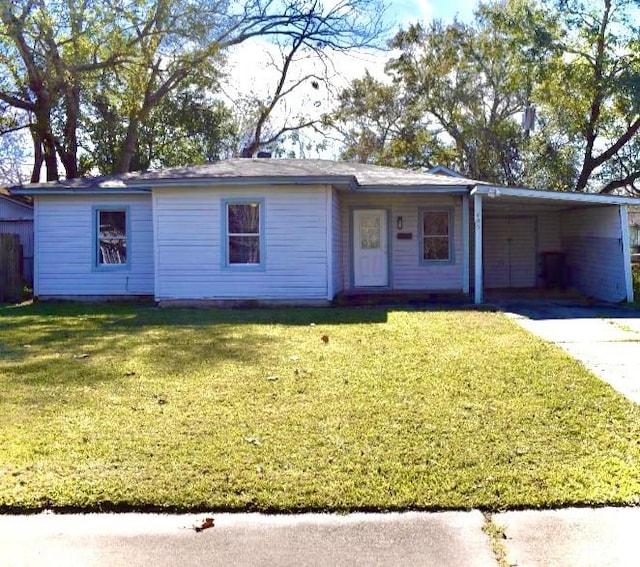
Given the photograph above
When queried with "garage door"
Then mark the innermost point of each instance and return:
(509, 249)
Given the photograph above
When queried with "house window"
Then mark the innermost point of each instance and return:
(111, 237)
(634, 237)
(244, 238)
(370, 232)
(436, 232)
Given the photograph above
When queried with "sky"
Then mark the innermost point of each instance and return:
(250, 74)
(407, 11)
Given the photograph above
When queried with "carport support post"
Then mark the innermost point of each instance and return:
(626, 251)
(477, 222)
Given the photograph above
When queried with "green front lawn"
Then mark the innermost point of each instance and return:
(133, 407)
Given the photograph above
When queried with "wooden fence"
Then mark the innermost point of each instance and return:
(10, 267)
(24, 229)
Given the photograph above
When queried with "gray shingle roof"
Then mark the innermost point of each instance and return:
(365, 174)
(262, 170)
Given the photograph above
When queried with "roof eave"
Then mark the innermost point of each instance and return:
(389, 188)
(145, 185)
(346, 181)
(81, 191)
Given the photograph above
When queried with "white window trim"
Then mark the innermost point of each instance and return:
(421, 212)
(95, 237)
(226, 264)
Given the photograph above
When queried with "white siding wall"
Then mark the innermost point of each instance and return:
(549, 239)
(407, 272)
(10, 210)
(189, 244)
(337, 242)
(592, 241)
(64, 247)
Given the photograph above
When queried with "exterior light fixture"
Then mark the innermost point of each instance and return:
(399, 223)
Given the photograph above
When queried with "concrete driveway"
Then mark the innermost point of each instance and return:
(605, 338)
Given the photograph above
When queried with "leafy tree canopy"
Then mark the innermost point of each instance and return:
(74, 67)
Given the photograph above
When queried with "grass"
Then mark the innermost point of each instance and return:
(133, 407)
(497, 536)
(635, 272)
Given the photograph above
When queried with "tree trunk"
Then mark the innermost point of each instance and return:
(69, 152)
(70, 165)
(41, 131)
(38, 158)
(50, 159)
(585, 174)
(129, 146)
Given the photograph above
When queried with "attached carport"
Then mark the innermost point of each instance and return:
(524, 238)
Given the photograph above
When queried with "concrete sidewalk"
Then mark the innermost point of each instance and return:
(601, 537)
(564, 538)
(605, 339)
(446, 539)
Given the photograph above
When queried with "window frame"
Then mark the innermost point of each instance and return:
(226, 264)
(450, 212)
(95, 238)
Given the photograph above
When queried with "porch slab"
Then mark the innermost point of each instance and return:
(394, 297)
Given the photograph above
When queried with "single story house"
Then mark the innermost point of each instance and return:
(304, 231)
(16, 217)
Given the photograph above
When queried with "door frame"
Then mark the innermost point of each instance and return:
(352, 254)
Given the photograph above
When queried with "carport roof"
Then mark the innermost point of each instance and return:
(556, 199)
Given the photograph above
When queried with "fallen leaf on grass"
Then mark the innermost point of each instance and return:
(325, 339)
(207, 523)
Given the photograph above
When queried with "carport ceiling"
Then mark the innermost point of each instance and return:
(506, 204)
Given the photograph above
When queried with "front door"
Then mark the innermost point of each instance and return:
(370, 248)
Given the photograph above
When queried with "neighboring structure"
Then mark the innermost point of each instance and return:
(443, 170)
(303, 231)
(16, 217)
(634, 233)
